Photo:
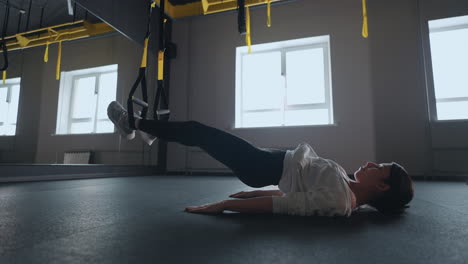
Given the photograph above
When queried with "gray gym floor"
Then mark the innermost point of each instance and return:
(141, 220)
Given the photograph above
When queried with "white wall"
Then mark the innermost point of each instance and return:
(22, 147)
(403, 130)
(204, 75)
(108, 148)
(397, 79)
(449, 143)
(36, 141)
(379, 87)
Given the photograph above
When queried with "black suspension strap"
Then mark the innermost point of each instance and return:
(20, 16)
(3, 42)
(141, 80)
(40, 20)
(241, 17)
(74, 11)
(29, 15)
(158, 111)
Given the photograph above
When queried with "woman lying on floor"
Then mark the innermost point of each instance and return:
(308, 184)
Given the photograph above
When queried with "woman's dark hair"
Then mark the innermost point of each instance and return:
(400, 193)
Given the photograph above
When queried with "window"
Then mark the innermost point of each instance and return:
(83, 100)
(449, 53)
(9, 99)
(285, 83)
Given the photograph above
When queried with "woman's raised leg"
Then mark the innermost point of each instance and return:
(254, 166)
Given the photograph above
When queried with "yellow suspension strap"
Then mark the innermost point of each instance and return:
(141, 79)
(46, 53)
(269, 13)
(59, 59)
(243, 21)
(161, 112)
(365, 30)
(247, 36)
(161, 62)
(4, 77)
(160, 65)
(144, 59)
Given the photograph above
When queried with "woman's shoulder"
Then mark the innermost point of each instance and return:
(304, 150)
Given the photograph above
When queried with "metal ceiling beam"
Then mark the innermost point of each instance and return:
(205, 7)
(49, 35)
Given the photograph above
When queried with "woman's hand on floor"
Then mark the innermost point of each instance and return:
(212, 208)
(253, 205)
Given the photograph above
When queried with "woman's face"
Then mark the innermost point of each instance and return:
(372, 173)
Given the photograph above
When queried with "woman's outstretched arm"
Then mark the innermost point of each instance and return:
(252, 205)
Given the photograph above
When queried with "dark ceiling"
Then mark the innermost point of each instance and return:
(54, 12)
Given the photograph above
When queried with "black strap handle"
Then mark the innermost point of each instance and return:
(140, 80)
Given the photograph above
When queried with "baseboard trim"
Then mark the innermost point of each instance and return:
(13, 179)
(32, 172)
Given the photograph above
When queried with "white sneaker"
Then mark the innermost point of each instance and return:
(119, 116)
(148, 138)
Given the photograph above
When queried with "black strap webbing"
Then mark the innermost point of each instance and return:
(160, 93)
(241, 17)
(140, 81)
(3, 41)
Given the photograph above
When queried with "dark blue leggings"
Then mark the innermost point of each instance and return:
(256, 167)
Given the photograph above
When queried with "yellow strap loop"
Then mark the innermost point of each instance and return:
(4, 77)
(269, 13)
(144, 59)
(46, 53)
(59, 59)
(365, 30)
(247, 22)
(161, 65)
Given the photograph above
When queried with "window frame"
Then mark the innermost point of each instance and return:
(429, 72)
(9, 83)
(318, 42)
(67, 94)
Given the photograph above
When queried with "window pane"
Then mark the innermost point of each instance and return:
(3, 105)
(81, 128)
(13, 108)
(452, 110)
(305, 76)
(104, 127)
(10, 130)
(84, 100)
(307, 117)
(449, 52)
(263, 119)
(262, 83)
(107, 92)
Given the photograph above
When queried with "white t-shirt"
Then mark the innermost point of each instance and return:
(312, 185)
